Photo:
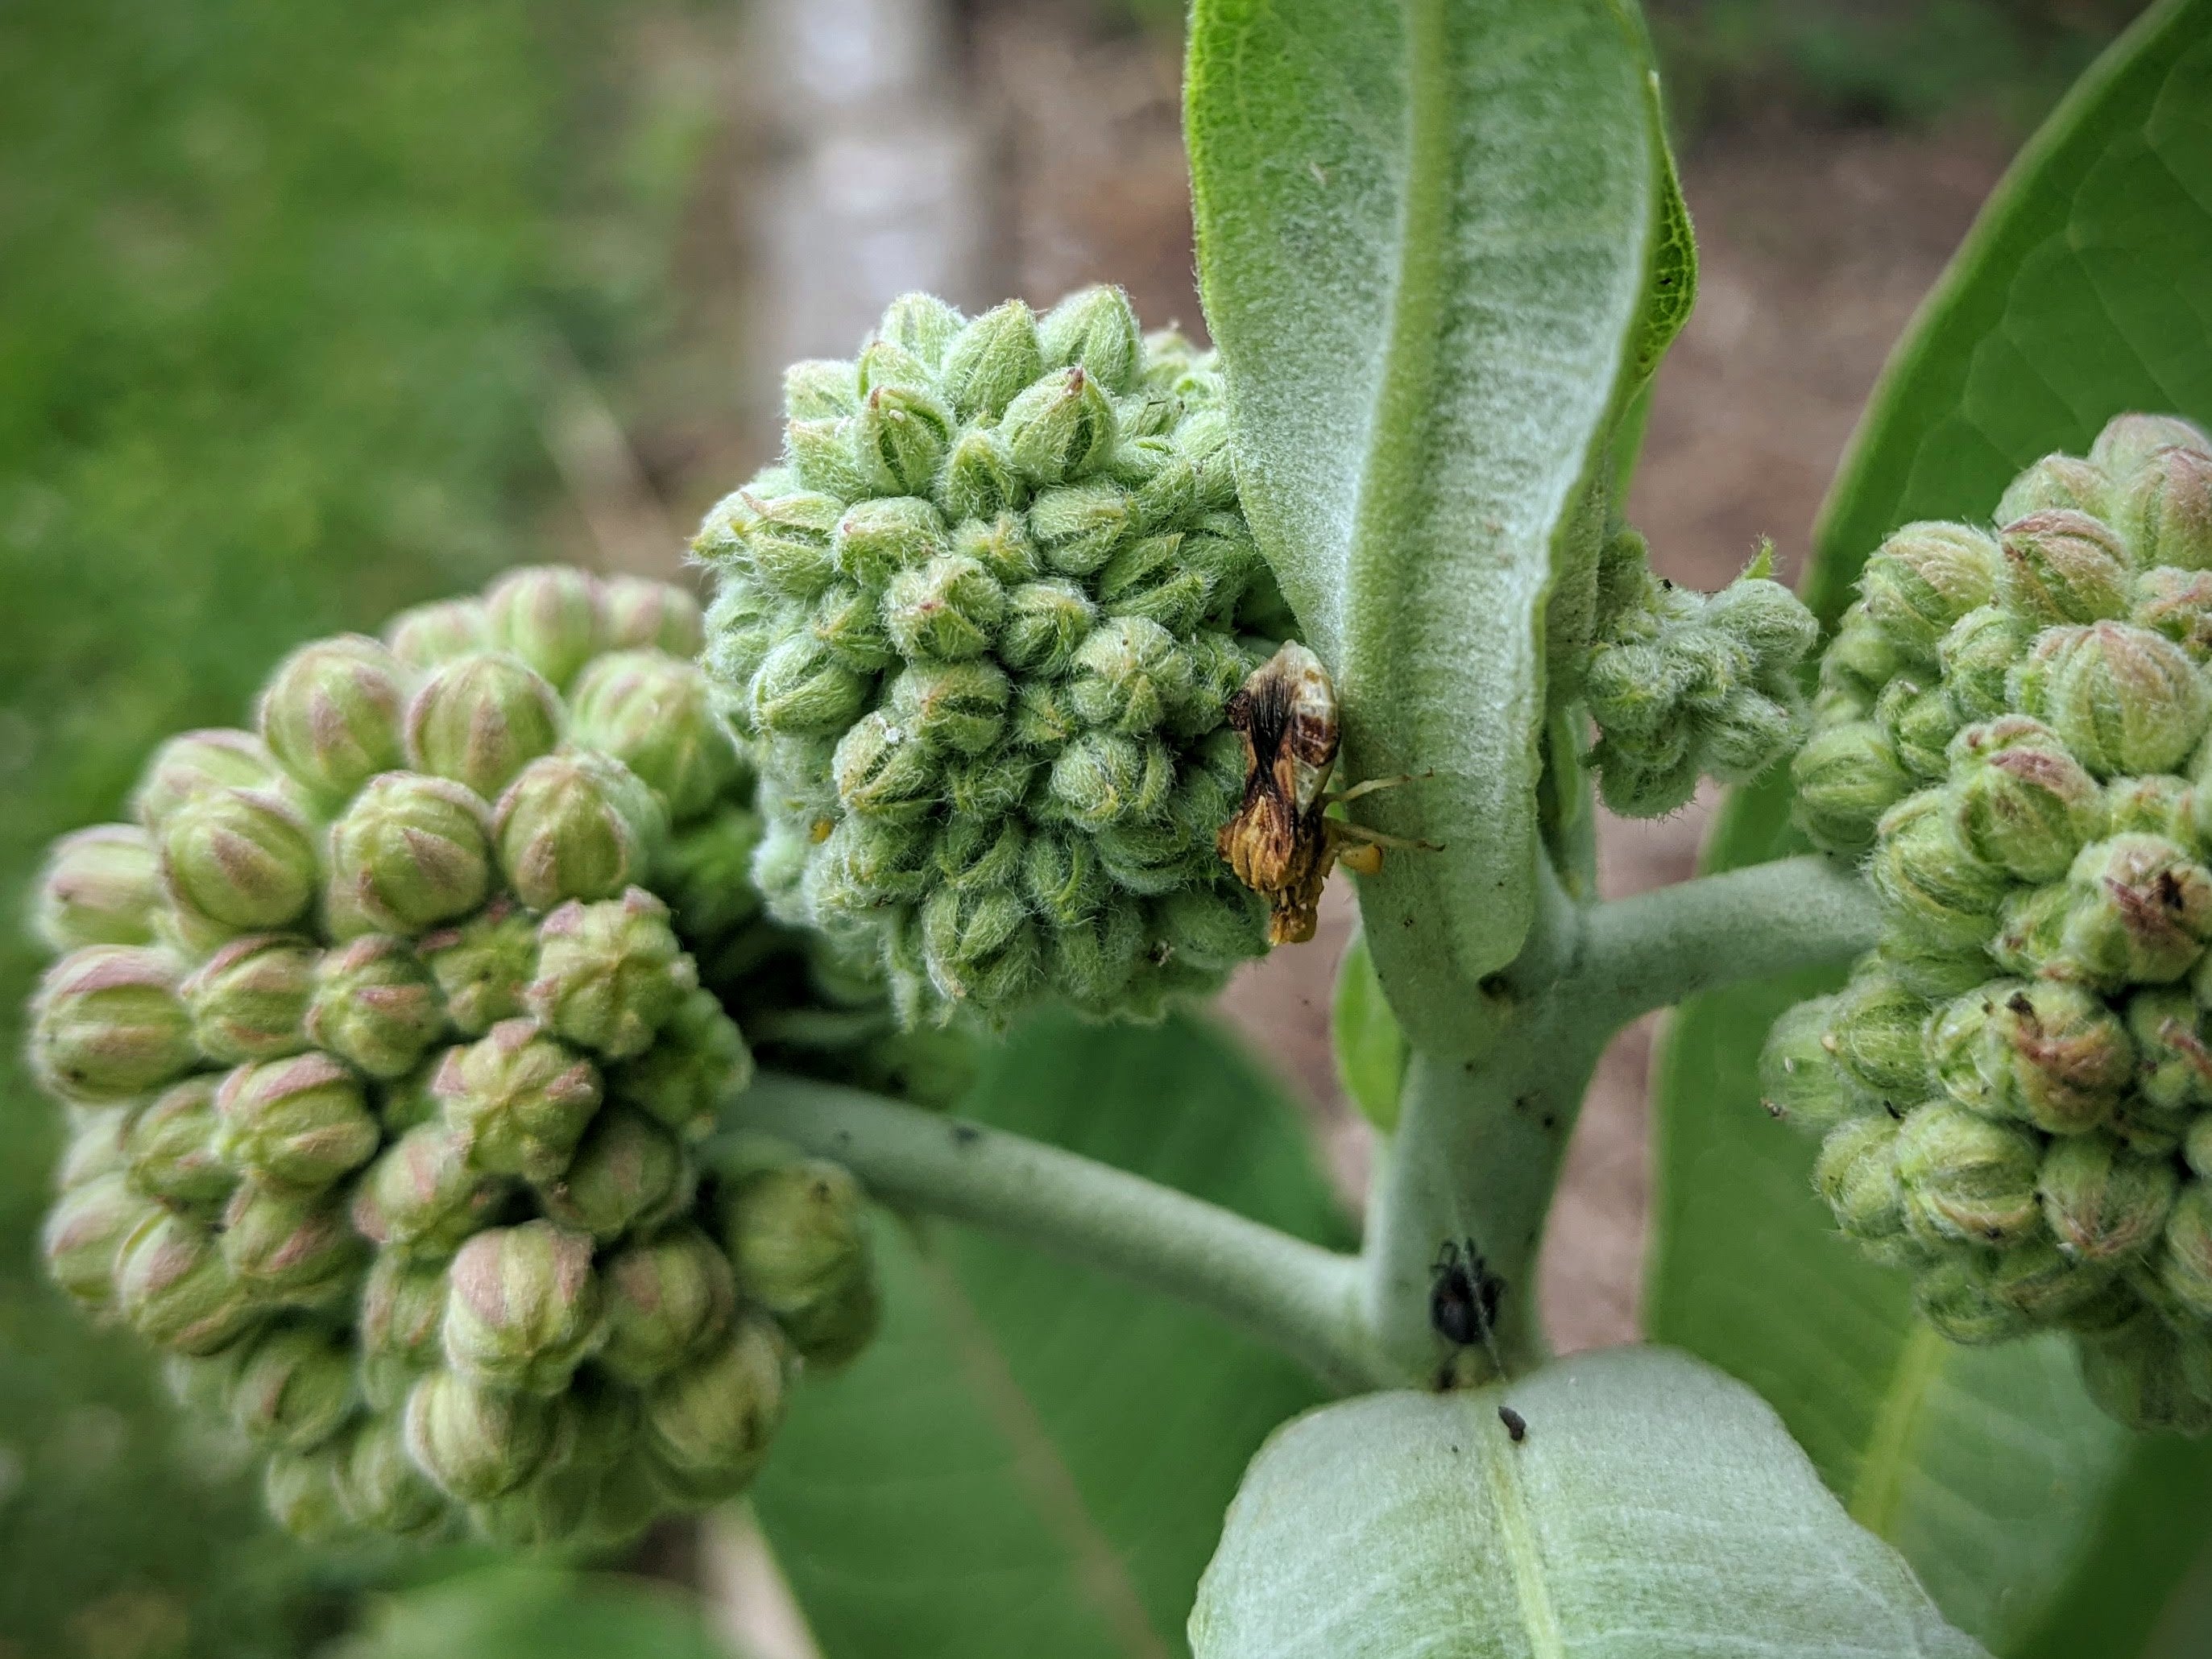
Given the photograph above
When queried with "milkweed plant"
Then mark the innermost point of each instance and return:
(481, 1063)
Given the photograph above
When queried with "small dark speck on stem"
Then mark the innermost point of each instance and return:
(1517, 1426)
(966, 1134)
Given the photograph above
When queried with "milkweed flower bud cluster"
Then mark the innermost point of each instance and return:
(1685, 685)
(388, 1033)
(981, 623)
(2016, 1088)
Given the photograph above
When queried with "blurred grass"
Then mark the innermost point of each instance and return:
(277, 282)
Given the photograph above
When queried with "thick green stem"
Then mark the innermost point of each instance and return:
(1298, 1296)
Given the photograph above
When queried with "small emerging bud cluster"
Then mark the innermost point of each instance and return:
(1685, 685)
(981, 623)
(2015, 1089)
(388, 1036)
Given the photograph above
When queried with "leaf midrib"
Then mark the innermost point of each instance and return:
(1878, 1487)
(1500, 1458)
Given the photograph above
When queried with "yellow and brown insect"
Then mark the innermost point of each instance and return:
(1281, 843)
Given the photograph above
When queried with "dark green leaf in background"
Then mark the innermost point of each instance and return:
(2085, 289)
(523, 1612)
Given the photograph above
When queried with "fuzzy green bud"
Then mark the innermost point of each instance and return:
(1977, 658)
(2151, 1377)
(2129, 442)
(2164, 511)
(610, 974)
(1843, 779)
(293, 1388)
(376, 1005)
(1956, 1295)
(171, 1148)
(636, 614)
(429, 635)
(2177, 604)
(655, 714)
(1967, 1178)
(290, 1247)
(193, 763)
(1930, 883)
(2173, 1063)
(97, 1145)
(2047, 1052)
(475, 1442)
(522, 1307)
(2122, 698)
(990, 359)
(481, 966)
(402, 1302)
(1856, 1173)
(797, 1234)
(1924, 578)
(330, 714)
(576, 825)
(422, 1196)
(2103, 1202)
(301, 1121)
(1861, 658)
(378, 1484)
(521, 1099)
(176, 1291)
(300, 1492)
(1874, 1033)
(108, 1024)
(1919, 722)
(98, 886)
(82, 1237)
(480, 719)
(409, 852)
(2021, 802)
(2139, 911)
(548, 616)
(2186, 1263)
(1061, 428)
(698, 1065)
(708, 1423)
(2057, 481)
(1093, 329)
(667, 1300)
(2160, 805)
(900, 434)
(239, 860)
(249, 1001)
(2063, 566)
(628, 1172)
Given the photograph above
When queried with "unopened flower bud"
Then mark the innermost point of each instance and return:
(98, 886)
(481, 966)
(108, 1024)
(98, 1146)
(667, 1298)
(2063, 566)
(1061, 428)
(1843, 779)
(402, 1102)
(877, 538)
(1936, 971)
(797, 1235)
(2173, 1061)
(480, 719)
(2057, 481)
(2122, 698)
(193, 763)
(1800, 1078)
(1954, 1295)
(1924, 578)
(375, 1005)
(2164, 512)
(330, 714)
(176, 1291)
(2177, 605)
(628, 1172)
(409, 852)
(2139, 911)
(1918, 721)
(290, 1246)
(2151, 1377)
(402, 1302)
(551, 1509)
(704, 874)
(900, 434)
(1977, 658)
(2049, 1285)
(2020, 800)
(300, 1491)
(171, 1151)
(249, 1001)
(301, 1122)
(656, 715)
(576, 826)
(422, 1196)
(429, 635)
(2160, 805)
(1931, 884)
(990, 359)
(1093, 329)
(521, 1099)
(240, 859)
(1967, 1178)
(475, 1442)
(2045, 1051)
(1874, 1033)
(636, 614)
(708, 1422)
(82, 1237)
(522, 1307)
(2186, 1263)
(2128, 441)
(293, 1388)
(378, 1486)
(548, 616)
(698, 1065)
(609, 973)
(2102, 1202)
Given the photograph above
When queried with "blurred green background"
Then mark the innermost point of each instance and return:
(288, 289)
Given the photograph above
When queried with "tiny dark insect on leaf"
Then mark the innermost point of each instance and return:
(1517, 1426)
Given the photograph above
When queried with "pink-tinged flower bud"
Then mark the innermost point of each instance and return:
(82, 1237)
(402, 1102)
(2102, 1202)
(291, 1247)
(1931, 884)
(300, 1491)
(548, 616)
(655, 714)
(409, 852)
(520, 1098)
(2165, 512)
(172, 1151)
(2062, 567)
(376, 1005)
(475, 1442)
(2049, 1053)
(249, 1001)
(2177, 604)
(301, 1122)
(429, 635)
(610, 974)
(697, 1067)
(330, 714)
(2160, 805)
(1967, 1180)
(636, 614)
(1977, 657)
(480, 719)
(576, 826)
(482, 967)
(667, 1300)
(2173, 1063)
(522, 1307)
(293, 1388)
(422, 1196)
(402, 1302)
(108, 1024)
(99, 886)
(708, 1423)
(629, 1173)
(2139, 911)
(2128, 441)
(97, 1145)
(193, 763)
(176, 1291)
(240, 859)
(2124, 699)
(1924, 578)
(378, 1486)
(2020, 800)
(2057, 481)
(2185, 1264)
